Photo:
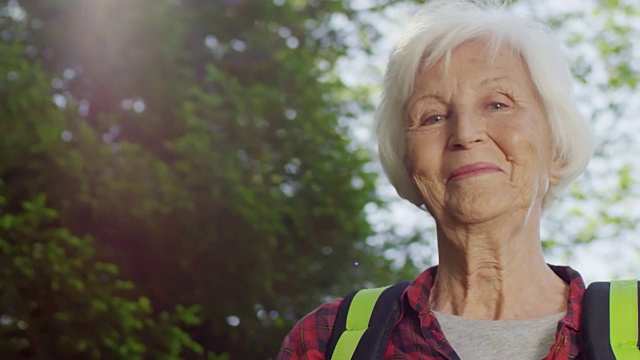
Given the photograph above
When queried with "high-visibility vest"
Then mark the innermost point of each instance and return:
(609, 325)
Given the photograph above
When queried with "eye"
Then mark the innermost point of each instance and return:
(497, 105)
(434, 119)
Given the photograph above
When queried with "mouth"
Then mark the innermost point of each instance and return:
(473, 170)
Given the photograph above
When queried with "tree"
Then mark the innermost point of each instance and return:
(58, 303)
(57, 300)
(205, 148)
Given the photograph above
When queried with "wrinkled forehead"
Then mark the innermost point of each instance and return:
(493, 47)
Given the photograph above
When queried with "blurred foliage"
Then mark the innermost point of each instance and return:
(601, 205)
(57, 302)
(204, 146)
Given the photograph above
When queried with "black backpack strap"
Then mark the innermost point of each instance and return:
(340, 324)
(383, 318)
(596, 321)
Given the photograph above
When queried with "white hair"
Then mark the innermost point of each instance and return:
(438, 28)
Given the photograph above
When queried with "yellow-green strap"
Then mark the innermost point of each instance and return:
(358, 317)
(623, 319)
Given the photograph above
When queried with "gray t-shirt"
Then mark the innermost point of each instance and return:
(499, 339)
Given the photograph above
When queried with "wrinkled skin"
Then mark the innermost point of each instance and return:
(479, 150)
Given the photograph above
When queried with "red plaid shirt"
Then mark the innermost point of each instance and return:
(418, 335)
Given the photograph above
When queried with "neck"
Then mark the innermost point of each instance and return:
(494, 270)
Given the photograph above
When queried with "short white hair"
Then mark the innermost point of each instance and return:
(438, 28)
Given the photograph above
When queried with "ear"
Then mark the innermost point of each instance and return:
(554, 169)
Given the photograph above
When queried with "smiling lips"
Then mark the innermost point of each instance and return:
(472, 170)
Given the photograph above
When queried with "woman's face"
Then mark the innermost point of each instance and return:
(478, 143)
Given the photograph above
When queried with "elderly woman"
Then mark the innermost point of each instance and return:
(477, 126)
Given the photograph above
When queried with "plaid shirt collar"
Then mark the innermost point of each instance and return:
(567, 336)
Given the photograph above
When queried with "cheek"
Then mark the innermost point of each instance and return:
(425, 145)
(522, 151)
(521, 141)
(423, 159)
(421, 156)
(528, 153)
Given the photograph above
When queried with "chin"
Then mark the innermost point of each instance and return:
(474, 211)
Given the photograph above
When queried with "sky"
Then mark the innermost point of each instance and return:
(594, 207)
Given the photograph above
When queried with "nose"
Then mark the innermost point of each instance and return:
(466, 131)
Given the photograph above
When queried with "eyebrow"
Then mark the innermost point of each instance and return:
(409, 106)
(431, 96)
(440, 99)
(497, 79)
